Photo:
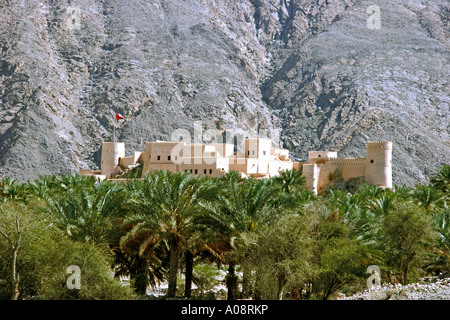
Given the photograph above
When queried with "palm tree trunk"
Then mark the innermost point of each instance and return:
(173, 268)
(245, 281)
(189, 268)
(231, 282)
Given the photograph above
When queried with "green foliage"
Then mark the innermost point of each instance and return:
(340, 264)
(205, 277)
(290, 180)
(441, 179)
(11, 189)
(44, 255)
(429, 197)
(85, 211)
(406, 236)
(439, 258)
(282, 256)
(164, 207)
(310, 255)
(337, 257)
(97, 282)
(51, 184)
(288, 242)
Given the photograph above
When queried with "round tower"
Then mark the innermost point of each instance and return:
(111, 154)
(379, 163)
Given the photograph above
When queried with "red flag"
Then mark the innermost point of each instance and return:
(118, 116)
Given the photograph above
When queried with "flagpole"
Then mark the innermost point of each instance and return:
(118, 117)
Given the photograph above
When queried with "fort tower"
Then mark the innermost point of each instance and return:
(379, 163)
(112, 152)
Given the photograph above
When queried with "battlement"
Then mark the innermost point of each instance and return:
(379, 145)
(353, 158)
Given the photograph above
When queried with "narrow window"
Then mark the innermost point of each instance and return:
(159, 157)
(371, 161)
(168, 158)
(210, 171)
(248, 152)
(190, 170)
(196, 171)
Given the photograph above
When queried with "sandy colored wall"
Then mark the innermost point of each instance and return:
(353, 168)
(111, 153)
(379, 164)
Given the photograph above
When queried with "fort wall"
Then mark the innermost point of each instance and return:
(376, 167)
(259, 160)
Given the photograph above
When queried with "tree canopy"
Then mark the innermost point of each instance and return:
(273, 238)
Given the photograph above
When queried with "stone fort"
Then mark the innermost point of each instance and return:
(259, 159)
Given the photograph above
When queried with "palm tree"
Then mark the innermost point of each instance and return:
(165, 205)
(12, 189)
(360, 212)
(201, 241)
(290, 180)
(146, 268)
(74, 180)
(335, 196)
(403, 192)
(86, 214)
(346, 202)
(238, 213)
(370, 192)
(441, 220)
(382, 204)
(42, 186)
(292, 193)
(53, 184)
(441, 179)
(429, 197)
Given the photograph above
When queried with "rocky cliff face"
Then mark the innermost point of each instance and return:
(312, 68)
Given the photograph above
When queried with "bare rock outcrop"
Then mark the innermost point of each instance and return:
(312, 68)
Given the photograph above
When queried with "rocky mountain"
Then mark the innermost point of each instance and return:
(327, 74)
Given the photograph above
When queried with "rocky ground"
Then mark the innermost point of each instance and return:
(430, 288)
(312, 69)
